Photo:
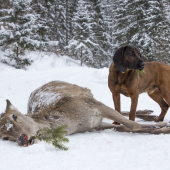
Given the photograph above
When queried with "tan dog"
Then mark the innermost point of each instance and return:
(124, 79)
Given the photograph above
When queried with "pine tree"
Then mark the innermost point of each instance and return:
(70, 10)
(38, 6)
(56, 22)
(102, 52)
(18, 32)
(157, 28)
(82, 43)
(142, 23)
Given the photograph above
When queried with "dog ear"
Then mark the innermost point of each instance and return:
(118, 59)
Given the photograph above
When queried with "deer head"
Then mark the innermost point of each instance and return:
(15, 126)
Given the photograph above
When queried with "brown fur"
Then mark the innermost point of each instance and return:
(59, 103)
(155, 81)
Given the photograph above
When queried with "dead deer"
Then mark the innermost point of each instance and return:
(58, 103)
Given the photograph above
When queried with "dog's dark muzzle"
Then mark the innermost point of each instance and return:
(141, 65)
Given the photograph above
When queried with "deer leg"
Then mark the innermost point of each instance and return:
(152, 129)
(142, 114)
(105, 125)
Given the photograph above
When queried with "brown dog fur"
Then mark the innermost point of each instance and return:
(124, 79)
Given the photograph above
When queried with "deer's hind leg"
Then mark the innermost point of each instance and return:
(105, 125)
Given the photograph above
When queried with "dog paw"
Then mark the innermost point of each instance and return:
(159, 119)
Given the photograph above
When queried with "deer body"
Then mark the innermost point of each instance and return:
(58, 103)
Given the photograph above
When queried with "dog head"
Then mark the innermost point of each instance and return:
(128, 57)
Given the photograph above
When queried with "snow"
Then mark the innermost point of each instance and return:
(53, 43)
(8, 125)
(45, 99)
(99, 150)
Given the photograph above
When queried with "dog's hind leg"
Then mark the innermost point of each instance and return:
(157, 97)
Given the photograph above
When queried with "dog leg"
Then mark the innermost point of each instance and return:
(156, 96)
(116, 100)
(134, 102)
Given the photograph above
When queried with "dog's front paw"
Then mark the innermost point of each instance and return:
(158, 119)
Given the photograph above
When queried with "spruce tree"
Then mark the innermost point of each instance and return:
(82, 44)
(18, 33)
(102, 52)
(144, 24)
(157, 28)
(56, 22)
(70, 8)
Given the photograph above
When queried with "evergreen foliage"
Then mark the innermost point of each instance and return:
(56, 21)
(144, 24)
(53, 136)
(18, 32)
(82, 43)
(87, 30)
(102, 52)
(90, 42)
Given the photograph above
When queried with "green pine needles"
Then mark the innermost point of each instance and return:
(53, 136)
(140, 72)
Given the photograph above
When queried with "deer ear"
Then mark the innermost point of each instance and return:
(118, 59)
(9, 106)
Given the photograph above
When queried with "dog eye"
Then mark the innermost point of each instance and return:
(14, 117)
(132, 53)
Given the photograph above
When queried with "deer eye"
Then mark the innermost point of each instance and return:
(14, 117)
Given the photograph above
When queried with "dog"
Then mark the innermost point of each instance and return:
(59, 103)
(125, 78)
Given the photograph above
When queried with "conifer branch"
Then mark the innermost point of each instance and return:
(140, 72)
(53, 136)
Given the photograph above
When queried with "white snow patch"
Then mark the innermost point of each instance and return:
(8, 125)
(105, 149)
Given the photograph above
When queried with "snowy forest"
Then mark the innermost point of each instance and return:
(85, 30)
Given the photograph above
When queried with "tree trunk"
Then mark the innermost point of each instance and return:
(66, 22)
(81, 56)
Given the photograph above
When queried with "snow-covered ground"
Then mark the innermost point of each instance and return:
(99, 150)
